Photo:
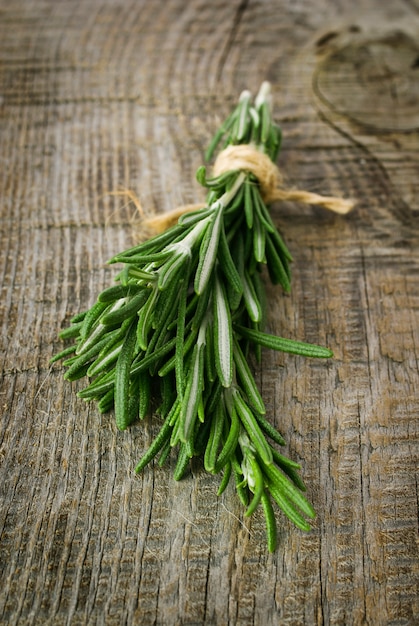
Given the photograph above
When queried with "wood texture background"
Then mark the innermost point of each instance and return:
(98, 96)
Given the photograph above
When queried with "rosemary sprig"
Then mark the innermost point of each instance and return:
(179, 325)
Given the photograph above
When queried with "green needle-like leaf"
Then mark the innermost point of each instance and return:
(271, 530)
(193, 393)
(284, 345)
(259, 486)
(253, 430)
(246, 379)
(122, 377)
(223, 334)
(208, 252)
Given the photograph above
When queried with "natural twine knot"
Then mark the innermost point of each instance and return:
(247, 158)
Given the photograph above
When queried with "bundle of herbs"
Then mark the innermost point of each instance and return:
(177, 329)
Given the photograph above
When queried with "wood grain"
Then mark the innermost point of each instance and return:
(103, 96)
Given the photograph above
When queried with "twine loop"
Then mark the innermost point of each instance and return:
(247, 158)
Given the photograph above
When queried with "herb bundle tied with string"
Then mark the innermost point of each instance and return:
(174, 335)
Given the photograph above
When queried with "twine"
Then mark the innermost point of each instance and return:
(247, 158)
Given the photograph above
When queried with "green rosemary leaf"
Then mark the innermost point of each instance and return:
(288, 490)
(164, 453)
(99, 387)
(260, 292)
(220, 134)
(223, 335)
(143, 259)
(63, 354)
(209, 357)
(133, 403)
(104, 361)
(99, 333)
(234, 211)
(232, 438)
(248, 203)
(175, 437)
(269, 430)
(157, 242)
(237, 254)
(259, 240)
(180, 339)
(122, 377)
(168, 394)
(253, 430)
(132, 272)
(143, 363)
(145, 395)
(275, 141)
(226, 478)
(277, 267)
(91, 317)
(284, 462)
(208, 251)
(265, 122)
(284, 345)
(171, 270)
(170, 364)
(190, 311)
(238, 476)
(278, 243)
(215, 436)
(201, 175)
(247, 381)
(202, 306)
(234, 300)
(192, 217)
(290, 468)
(128, 309)
(257, 487)
(255, 134)
(193, 393)
(253, 306)
(106, 403)
(79, 317)
(69, 362)
(145, 319)
(220, 182)
(261, 212)
(71, 332)
(166, 311)
(295, 477)
(271, 529)
(228, 267)
(243, 121)
(122, 291)
(214, 397)
(75, 370)
(182, 461)
(288, 508)
(174, 412)
(157, 445)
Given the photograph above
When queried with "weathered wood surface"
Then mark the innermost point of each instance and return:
(104, 95)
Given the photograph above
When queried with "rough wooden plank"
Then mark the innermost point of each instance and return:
(102, 96)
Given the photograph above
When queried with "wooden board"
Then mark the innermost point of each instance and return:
(103, 96)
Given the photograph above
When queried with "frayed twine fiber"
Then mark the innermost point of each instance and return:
(247, 158)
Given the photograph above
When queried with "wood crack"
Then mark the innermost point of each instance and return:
(232, 37)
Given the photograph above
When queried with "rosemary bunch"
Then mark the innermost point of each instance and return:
(181, 321)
